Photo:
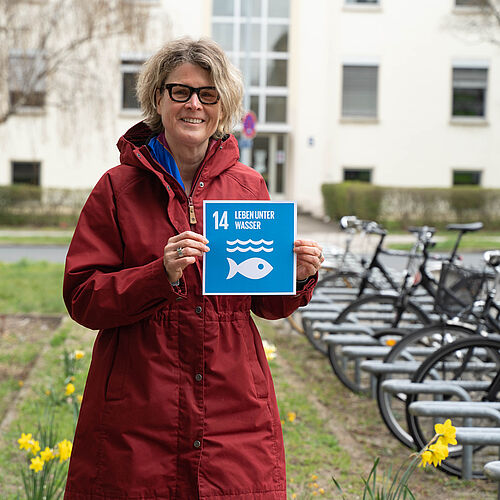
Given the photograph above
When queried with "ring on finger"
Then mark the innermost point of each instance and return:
(179, 252)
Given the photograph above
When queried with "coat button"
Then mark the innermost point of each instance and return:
(198, 310)
(202, 184)
(197, 444)
(198, 377)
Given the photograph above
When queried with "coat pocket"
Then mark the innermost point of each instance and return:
(256, 366)
(119, 367)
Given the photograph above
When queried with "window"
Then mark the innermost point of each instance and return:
(130, 69)
(359, 91)
(466, 178)
(470, 3)
(358, 174)
(361, 1)
(27, 82)
(26, 172)
(469, 91)
(265, 24)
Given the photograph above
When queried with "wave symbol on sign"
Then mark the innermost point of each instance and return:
(249, 246)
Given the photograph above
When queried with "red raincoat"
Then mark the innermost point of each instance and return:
(179, 401)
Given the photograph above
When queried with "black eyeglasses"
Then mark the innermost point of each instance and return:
(182, 93)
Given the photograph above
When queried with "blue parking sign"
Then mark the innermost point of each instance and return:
(251, 247)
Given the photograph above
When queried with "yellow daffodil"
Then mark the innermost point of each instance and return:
(36, 464)
(322, 491)
(79, 354)
(434, 454)
(314, 477)
(269, 349)
(291, 415)
(24, 441)
(20, 383)
(34, 446)
(64, 450)
(70, 389)
(447, 433)
(47, 455)
(426, 458)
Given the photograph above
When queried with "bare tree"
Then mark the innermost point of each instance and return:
(47, 47)
(479, 21)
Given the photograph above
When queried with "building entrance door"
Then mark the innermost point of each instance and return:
(268, 158)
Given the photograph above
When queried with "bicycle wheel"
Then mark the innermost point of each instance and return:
(338, 289)
(472, 363)
(413, 349)
(385, 310)
(379, 312)
(347, 366)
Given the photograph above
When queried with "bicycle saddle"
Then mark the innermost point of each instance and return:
(465, 228)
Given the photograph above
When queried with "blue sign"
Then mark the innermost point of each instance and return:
(251, 247)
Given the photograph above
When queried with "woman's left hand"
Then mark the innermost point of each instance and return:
(309, 258)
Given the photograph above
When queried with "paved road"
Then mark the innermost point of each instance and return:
(55, 253)
(327, 233)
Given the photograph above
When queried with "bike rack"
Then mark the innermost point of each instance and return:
(492, 470)
(467, 436)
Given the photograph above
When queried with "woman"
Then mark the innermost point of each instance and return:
(179, 401)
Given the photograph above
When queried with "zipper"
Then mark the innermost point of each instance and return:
(191, 211)
(192, 215)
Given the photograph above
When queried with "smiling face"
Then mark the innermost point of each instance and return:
(191, 123)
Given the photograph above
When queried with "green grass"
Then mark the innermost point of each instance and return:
(475, 242)
(35, 240)
(31, 287)
(48, 375)
(313, 380)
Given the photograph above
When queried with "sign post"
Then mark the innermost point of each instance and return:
(251, 248)
(248, 132)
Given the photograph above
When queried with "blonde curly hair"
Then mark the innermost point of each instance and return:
(208, 55)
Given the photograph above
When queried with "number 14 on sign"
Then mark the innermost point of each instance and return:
(222, 222)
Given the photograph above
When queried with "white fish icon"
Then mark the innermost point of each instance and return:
(254, 268)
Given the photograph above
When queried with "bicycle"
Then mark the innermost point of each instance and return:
(389, 310)
(471, 368)
(478, 317)
(365, 282)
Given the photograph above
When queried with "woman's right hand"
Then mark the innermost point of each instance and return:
(180, 251)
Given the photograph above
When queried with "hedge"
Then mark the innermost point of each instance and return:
(401, 207)
(24, 205)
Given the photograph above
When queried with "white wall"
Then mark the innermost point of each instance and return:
(413, 142)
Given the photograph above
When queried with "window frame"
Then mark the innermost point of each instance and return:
(361, 171)
(258, 91)
(466, 171)
(130, 64)
(371, 118)
(26, 163)
(470, 65)
(32, 54)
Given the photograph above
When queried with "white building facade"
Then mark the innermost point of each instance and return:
(390, 92)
